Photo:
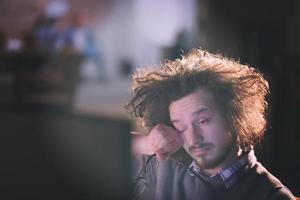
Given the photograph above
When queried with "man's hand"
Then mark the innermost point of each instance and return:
(164, 141)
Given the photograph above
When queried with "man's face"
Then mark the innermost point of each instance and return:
(203, 129)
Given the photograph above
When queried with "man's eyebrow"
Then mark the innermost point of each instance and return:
(200, 111)
(195, 113)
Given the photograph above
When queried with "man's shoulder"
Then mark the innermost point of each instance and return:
(267, 184)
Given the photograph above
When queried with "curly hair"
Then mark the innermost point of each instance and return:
(239, 92)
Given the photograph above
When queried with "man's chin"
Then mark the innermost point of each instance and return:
(201, 161)
(205, 162)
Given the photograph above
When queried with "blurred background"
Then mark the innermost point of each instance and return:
(65, 74)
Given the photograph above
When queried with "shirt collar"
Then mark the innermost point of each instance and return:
(232, 173)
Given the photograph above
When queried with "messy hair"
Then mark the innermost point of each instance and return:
(239, 92)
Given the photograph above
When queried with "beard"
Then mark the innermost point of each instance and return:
(215, 159)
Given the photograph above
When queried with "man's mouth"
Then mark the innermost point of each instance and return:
(200, 150)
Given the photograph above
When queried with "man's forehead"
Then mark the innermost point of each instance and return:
(196, 103)
(198, 98)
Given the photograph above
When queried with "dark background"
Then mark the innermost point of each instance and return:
(49, 152)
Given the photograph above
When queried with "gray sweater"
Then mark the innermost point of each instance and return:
(170, 180)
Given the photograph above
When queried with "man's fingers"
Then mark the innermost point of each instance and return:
(172, 143)
(164, 140)
(173, 136)
(165, 151)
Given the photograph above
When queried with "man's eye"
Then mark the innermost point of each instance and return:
(204, 121)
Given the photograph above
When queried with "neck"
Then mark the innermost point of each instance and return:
(232, 157)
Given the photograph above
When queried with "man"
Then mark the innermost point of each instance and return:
(213, 107)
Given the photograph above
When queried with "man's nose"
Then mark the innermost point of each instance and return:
(194, 135)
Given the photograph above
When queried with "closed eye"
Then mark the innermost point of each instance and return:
(178, 126)
(204, 121)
